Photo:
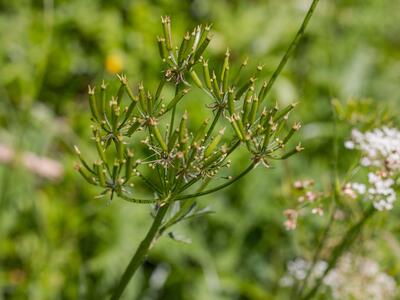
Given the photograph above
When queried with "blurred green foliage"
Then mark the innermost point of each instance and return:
(57, 242)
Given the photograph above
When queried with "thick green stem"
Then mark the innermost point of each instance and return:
(141, 252)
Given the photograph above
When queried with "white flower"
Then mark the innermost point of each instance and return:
(349, 144)
(359, 278)
(380, 147)
(360, 188)
(381, 154)
(317, 211)
(298, 268)
(381, 191)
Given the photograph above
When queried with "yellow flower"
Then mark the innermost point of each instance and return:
(114, 63)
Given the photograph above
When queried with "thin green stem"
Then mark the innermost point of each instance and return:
(210, 130)
(290, 49)
(349, 238)
(171, 123)
(160, 172)
(185, 208)
(321, 243)
(220, 187)
(141, 252)
(151, 185)
(136, 200)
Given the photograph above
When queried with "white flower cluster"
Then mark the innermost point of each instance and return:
(297, 270)
(353, 278)
(360, 278)
(381, 191)
(380, 147)
(381, 153)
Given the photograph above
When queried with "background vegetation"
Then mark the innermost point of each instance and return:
(58, 242)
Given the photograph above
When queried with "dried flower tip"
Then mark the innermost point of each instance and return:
(166, 22)
(296, 126)
(299, 148)
(202, 47)
(129, 153)
(317, 211)
(123, 79)
(78, 152)
(103, 85)
(162, 48)
(284, 111)
(91, 90)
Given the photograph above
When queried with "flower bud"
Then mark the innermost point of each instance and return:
(292, 130)
(284, 111)
(92, 103)
(196, 79)
(214, 143)
(231, 102)
(215, 87)
(225, 72)
(254, 109)
(206, 74)
(202, 47)
(166, 22)
(100, 173)
(142, 97)
(297, 149)
(247, 105)
(157, 135)
(200, 134)
(128, 164)
(176, 99)
(87, 177)
(245, 87)
(183, 47)
(162, 48)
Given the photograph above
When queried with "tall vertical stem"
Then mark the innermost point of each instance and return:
(290, 49)
(141, 252)
(349, 238)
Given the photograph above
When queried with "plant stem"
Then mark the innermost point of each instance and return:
(210, 130)
(290, 50)
(186, 206)
(349, 238)
(321, 243)
(217, 188)
(171, 124)
(141, 252)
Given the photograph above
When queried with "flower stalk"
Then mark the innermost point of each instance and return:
(172, 159)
